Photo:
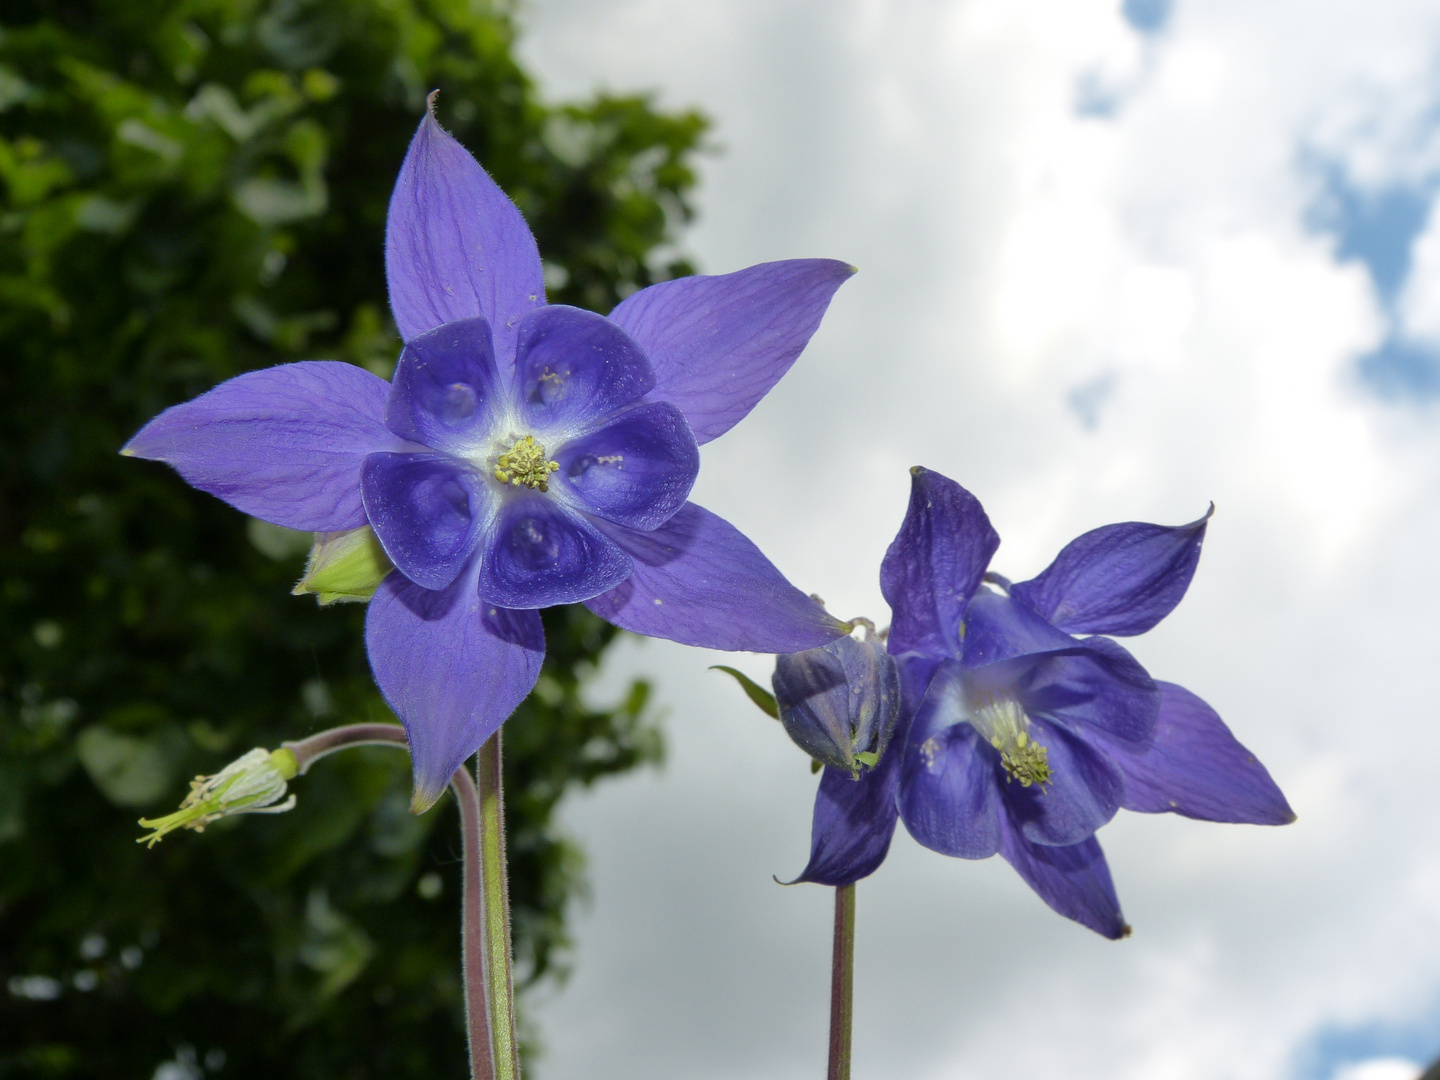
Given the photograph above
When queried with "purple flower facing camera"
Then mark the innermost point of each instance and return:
(1018, 735)
(525, 454)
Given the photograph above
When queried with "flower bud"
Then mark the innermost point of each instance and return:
(344, 567)
(251, 784)
(839, 703)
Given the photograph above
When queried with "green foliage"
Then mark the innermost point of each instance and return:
(190, 189)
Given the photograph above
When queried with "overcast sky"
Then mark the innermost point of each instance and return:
(1114, 264)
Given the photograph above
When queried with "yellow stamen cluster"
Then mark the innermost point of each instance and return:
(524, 465)
(1024, 759)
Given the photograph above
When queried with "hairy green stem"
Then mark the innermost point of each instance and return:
(842, 983)
(472, 936)
(497, 912)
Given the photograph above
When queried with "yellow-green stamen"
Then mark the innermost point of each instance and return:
(1003, 722)
(524, 465)
(251, 784)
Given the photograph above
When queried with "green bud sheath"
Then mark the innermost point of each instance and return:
(344, 567)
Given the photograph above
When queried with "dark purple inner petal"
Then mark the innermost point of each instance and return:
(997, 628)
(948, 797)
(537, 554)
(573, 367)
(445, 387)
(427, 511)
(1097, 685)
(637, 470)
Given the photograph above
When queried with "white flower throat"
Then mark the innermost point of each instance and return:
(1003, 723)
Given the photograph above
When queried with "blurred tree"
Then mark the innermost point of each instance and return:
(190, 189)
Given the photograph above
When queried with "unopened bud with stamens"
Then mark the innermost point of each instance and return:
(252, 784)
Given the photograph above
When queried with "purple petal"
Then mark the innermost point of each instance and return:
(997, 628)
(718, 344)
(455, 246)
(853, 823)
(1083, 793)
(1073, 880)
(637, 470)
(445, 387)
(948, 797)
(699, 581)
(1095, 686)
(452, 667)
(935, 563)
(284, 444)
(1195, 767)
(427, 511)
(538, 554)
(573, 367)
(1120, 579)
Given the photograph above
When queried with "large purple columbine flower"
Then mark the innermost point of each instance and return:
(1020, 738)
(525, 454)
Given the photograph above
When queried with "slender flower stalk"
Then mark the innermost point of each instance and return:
(501, 982)
(473, 933)
(842, 983)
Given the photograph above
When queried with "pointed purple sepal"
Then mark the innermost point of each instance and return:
(1075, 880)
(699, 581)
(455, 246)
(1119, 579)
(452, 667)
(853, 824)
(935, 564)
(718, 344)
(284, 444)
(1194, 766)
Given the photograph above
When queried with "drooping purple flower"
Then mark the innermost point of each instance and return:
(1018, 737)
(839, 703)
(525, 454)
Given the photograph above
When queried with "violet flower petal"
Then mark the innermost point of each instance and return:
(1094, 685)
(538, 553)
(997, 628)
(699, 581)
(427, 511)
(948, 797)
(853, 823)
(573, 367)
(1074, 880)
(1119, 579)
(452, 667)
(284, 444)
(718, 344)
(1082, 794)
(445, 387)
(935, 564)
(1197, 768)
(637, 470)
(455, 246)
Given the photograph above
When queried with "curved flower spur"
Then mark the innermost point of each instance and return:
(525, 454)
(1018, 737)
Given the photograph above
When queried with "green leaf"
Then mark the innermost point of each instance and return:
(753, 690)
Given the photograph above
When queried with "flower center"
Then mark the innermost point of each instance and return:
(525, 465)
(1003, 722)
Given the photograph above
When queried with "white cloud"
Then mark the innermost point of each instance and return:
(1380, 1069)
(1012, 250)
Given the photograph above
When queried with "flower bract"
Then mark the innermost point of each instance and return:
(525, 454)
(1024, 726)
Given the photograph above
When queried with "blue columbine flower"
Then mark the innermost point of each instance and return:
(1018, 737)
(525, 454)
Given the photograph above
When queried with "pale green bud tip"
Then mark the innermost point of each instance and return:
(252, 784)
(423, 799)
(344, 567)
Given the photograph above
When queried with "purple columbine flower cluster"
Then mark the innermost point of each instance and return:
(1024, 727)
(525, 454)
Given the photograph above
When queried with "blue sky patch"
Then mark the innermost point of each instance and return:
(1147, 16)
(1337, 1045)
